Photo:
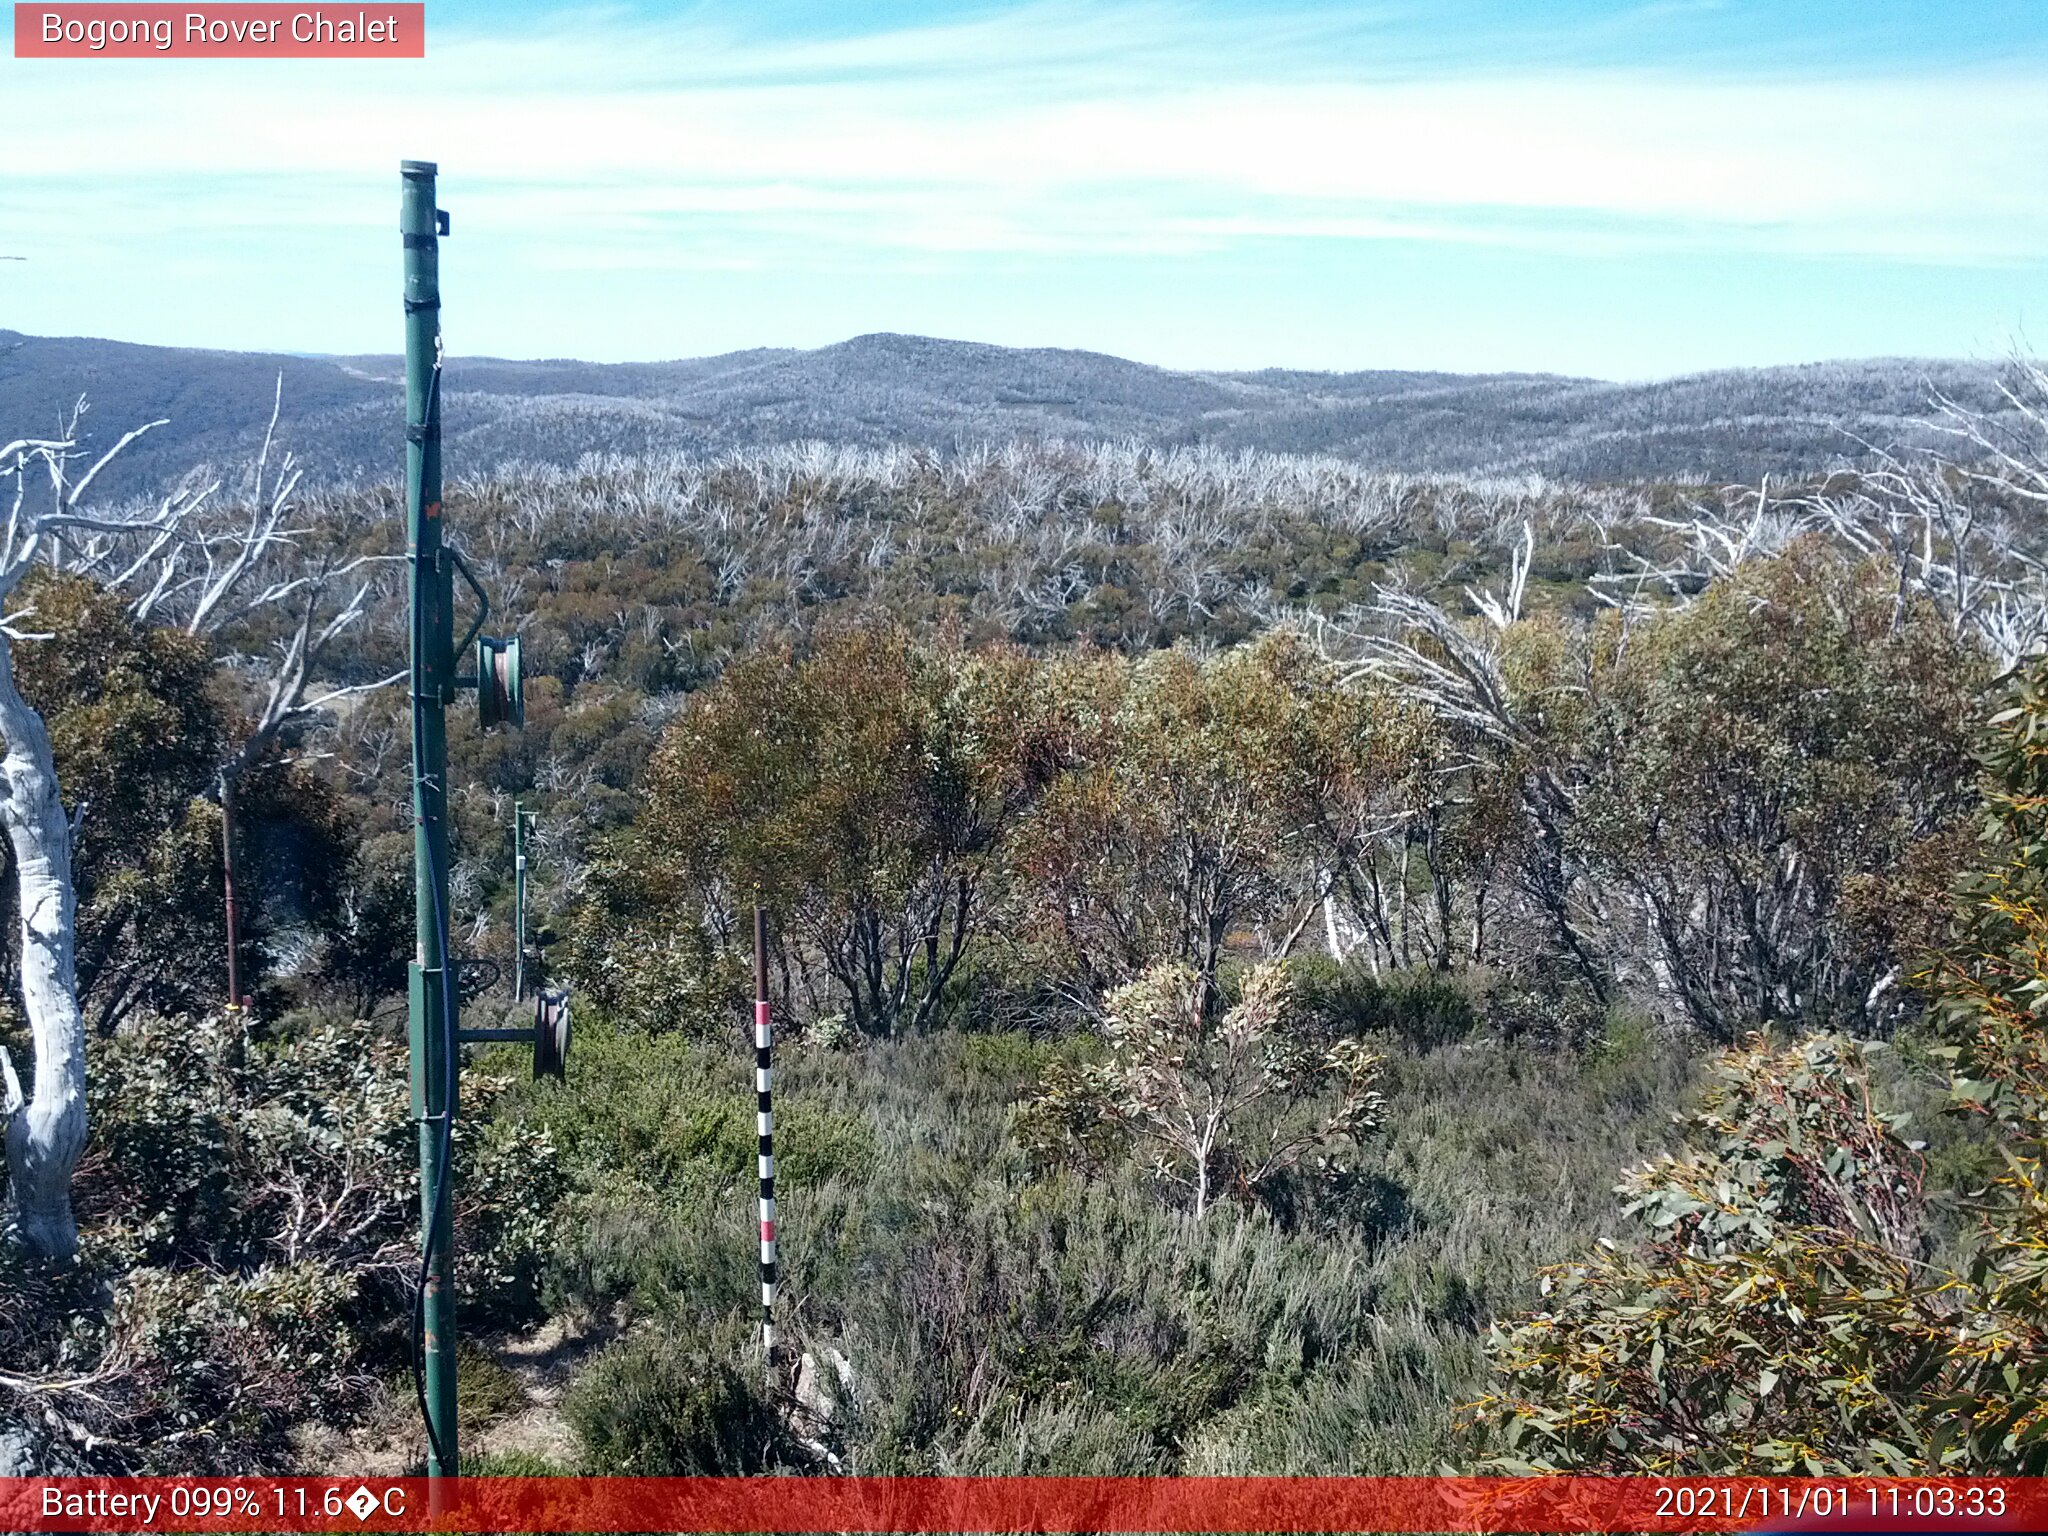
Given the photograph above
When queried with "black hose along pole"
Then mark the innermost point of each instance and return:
(519, 818)
(432, 994)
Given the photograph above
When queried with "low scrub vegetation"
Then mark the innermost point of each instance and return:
(1278, 970)
(250, 1207)
(1000, 1314)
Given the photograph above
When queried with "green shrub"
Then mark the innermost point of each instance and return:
(251, 1212)
(1010, 1058)
(1548, 1003)
(674, 1115)
(511, 1464)
(654, 1405)
(1771, 1319)
(1781, 1313)
(663, 978)
(1423, 1009)
(1625, 1038)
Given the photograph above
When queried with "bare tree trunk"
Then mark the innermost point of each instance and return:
(1331, 936)
(1204, 1148)
(46, 1130)
(1401, 897)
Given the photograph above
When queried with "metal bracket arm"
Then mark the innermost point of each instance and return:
(483, 603)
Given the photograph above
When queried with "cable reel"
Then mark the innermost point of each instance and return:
(500, 684)
(551, 1034)
(548, 1034)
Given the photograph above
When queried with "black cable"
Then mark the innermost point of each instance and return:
(439, 1212)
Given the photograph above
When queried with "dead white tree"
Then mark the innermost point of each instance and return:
(1957, 527)
(1710, 546)
(259, 560)
(261, 554)
(45, 1127)
(1506, 609)
(1456, 670)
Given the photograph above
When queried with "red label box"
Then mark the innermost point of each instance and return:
(367, 29)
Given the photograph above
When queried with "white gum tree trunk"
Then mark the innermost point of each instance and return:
(45, 1128)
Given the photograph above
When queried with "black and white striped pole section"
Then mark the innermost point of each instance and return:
(764, 1124)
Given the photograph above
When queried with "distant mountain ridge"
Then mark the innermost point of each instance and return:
(342, 415)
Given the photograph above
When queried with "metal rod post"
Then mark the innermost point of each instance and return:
(518, 903)
(764, 1041)
(432, 999)
(227, 876)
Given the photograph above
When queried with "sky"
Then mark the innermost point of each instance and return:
(1623, 190)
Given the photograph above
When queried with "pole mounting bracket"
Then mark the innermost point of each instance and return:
(483, 603)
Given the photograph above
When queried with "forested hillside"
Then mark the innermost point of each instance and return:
(1432, 839)
(882, 390)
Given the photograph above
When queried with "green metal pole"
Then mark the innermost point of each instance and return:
(432, 1025)
(518, 903)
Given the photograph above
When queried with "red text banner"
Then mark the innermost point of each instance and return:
(236, 31)
(1080, 1504)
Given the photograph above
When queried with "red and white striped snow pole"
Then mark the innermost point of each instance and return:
(764, 1124)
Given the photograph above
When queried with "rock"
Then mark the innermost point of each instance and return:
(811, 1396)
(30, 1450)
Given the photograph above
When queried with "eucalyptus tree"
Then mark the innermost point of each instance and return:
(1188, 819)
(1733, 801)
(1505, 693)
(46, 1124)
(867, 792)
(1772, 780)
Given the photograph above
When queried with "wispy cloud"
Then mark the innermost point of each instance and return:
(1129, 127)
(1031, 138)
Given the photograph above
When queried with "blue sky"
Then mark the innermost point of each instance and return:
(1625, 190)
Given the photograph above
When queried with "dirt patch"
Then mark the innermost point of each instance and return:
(391, 1443)
(545, 1362)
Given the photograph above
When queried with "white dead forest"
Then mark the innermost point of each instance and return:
(1476, 821)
